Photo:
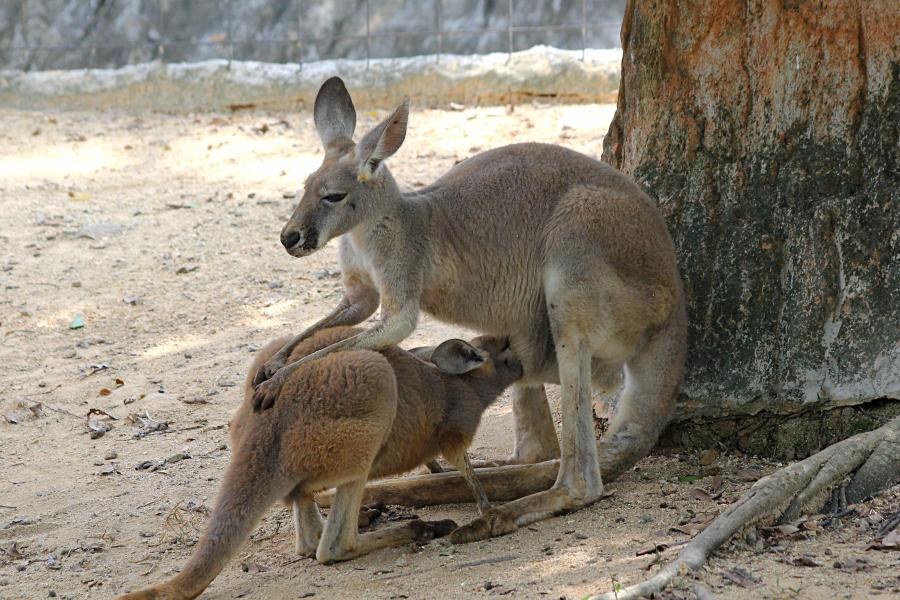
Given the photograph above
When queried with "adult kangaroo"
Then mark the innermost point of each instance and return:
(561, 253)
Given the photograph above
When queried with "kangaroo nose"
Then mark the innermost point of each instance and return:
(289, 239)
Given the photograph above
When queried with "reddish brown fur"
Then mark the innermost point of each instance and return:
(339, 421)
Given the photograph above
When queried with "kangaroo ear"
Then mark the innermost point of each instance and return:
(383, 141)
(422, 352)
(333, 112)
(457, 357)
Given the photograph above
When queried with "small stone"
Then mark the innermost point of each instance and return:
(580, 536)
(401, 562)
(76, 284)
(110, 455)
(274, 285)
(51, 594)
(307, 594)
(188, 355)
(98, 462)
(70, 353)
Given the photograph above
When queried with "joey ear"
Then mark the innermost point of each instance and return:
(333, 112)
(383, 141)
(422, 352)
(457, 357)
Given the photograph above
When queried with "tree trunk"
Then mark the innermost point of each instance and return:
(768, 133)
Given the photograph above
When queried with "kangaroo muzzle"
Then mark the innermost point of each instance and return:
(299, 242)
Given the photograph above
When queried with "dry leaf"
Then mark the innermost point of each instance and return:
(698, 494)
(105, 391)
(119, 382)
(708, 457)
(787, 529)
(741, 577)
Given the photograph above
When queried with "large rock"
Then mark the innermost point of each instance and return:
(768, 133)
(66, 34)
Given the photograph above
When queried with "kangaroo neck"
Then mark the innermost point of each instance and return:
(400, 219)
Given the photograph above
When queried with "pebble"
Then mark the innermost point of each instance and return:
(274, 285)
(76, 284)
(98, 462)
(51, 594)
(70, 353)
(401, 562)
(110, 455)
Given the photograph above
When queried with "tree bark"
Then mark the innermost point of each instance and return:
(768, 133)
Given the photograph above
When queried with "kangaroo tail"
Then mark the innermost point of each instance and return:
(248, 490)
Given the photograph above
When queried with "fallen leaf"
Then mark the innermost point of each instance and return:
(803, 561)
(105, 391)
(741, 577)
(185, 269)
(787, 529)
(688, 478)
(79, 196)
(717, 482)
(698, 494)
(253, 568)
(119, 382)
(708, 457)
(655, 549)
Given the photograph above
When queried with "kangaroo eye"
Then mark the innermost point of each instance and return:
(334, 198)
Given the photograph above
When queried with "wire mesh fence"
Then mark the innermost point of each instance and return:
(60, 34)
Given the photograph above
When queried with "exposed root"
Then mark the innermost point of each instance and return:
(873, 458)
(500, 483)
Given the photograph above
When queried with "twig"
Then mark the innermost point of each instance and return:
(53, 389)
(146, 504)
(61, 411)
(485, 561)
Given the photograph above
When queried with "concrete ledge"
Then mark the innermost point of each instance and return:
(541, 72)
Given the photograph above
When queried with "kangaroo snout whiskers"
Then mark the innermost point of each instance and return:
(340, 421)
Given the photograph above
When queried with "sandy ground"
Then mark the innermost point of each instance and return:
(161, 233)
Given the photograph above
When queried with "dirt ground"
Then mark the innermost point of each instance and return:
(159, 234)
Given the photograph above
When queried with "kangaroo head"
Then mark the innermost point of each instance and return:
(486, 358)
(353, 185)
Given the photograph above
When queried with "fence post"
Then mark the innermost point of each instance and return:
(300, 14)
(229, 5)
(509, 32)
(583, 27)
(368, 39)
(161, 47)
(440, 31)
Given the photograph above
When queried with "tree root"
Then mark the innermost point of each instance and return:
(872, 458)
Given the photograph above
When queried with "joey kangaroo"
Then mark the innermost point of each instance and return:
(561, 253)
(338, 422)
